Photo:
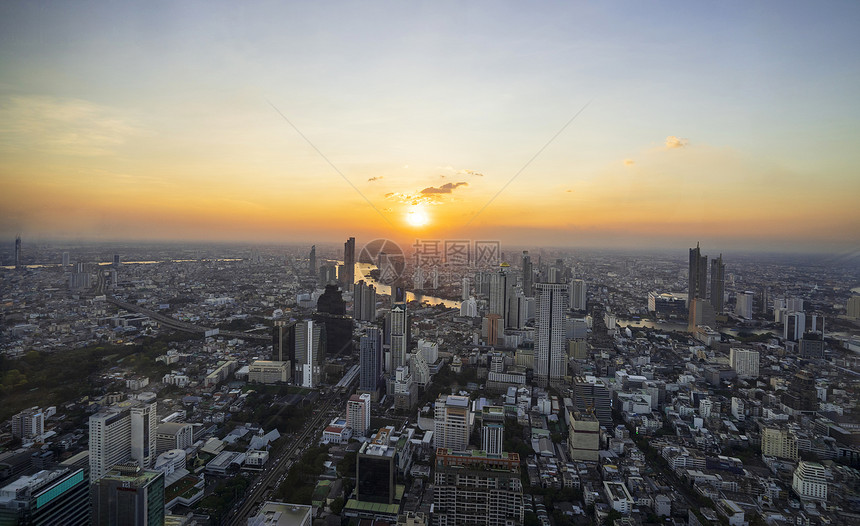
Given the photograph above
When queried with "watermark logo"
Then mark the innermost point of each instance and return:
(387, 256)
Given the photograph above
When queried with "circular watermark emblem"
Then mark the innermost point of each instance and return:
(387, 256)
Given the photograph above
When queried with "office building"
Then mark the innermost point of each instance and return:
(583, 439)
(130, 496)
(331, 314)
(269, 372)
(718, 284)
(144, 424)
(358, 414)
(577, 295)
(801, 396)
(500, 285)
(348, 277)
(477, 488)
(701, 314)
(173, 435)
(745, 362)
(492, 437)
(364, 302)
(852, 309)
(370, 362)
(591, 394)
(375, 470)
(52, 496)
(551, 301)
(528, 274)
(452, 422)
(794, 325)
(398, 328)
(312, 261)
(492, 329)
(744, 305)
(809, 481)
(698, 275)
(310, 352)
(284, 341)
(65, 260)
(667, 305)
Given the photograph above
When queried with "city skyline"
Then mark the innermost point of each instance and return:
(572, 125)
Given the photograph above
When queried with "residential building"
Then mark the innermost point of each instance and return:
(809, 481)
(550, 346)
(452, 422)
(358, 413)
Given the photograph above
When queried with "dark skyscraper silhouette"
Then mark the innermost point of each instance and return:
(528, 274)
(17, 251)
(284, 341)
(331, 310)
(718, 283)
(698, 276)
(349, 262)
(312, 261)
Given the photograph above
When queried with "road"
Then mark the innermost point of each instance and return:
(268, 480)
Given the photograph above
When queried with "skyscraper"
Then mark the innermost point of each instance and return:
(17, 251)
(398, 329)
(312, 261)
(284, 341)
(577, 295)
(744, 305)
(550, 354)
(349, 262)
(718, 283)
(358, 413)
(364, 301)
(331, 311)
(492, 437)
(698, 275)
(499, 290)
(518, 309)
(310, 352)
(528, 274)
(129, 495)
(120, 433)
(371, 362)
(451, 422)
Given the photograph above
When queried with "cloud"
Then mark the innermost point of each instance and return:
(446, 188)
(629, 162)
(470, 172)
(464, 171)
(376, 178)
(675, 142)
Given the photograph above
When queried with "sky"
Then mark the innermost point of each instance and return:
(622, 124)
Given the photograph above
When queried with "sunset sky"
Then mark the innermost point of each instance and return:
(734, 124)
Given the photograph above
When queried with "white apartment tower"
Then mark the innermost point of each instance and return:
(577, 294)
(451, 422)
(809, 481)
(120, 433)
(550, 353)
(358, 413)
(745, 362)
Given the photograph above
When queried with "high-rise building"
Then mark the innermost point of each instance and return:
(528, 274)
(469, 308)
(120, 433)
(591, 394)
(364, 301)
(173, 435)
(117, 260)
(310, 352)
(398, 328)
(583, 439)
(852, 309)
(65, 260)
(809, 481)
(778, 442)
(375, 470)
(801, 396)
(744, 305)
(358, 413)
(451, 423)
(794, 325)
(518, 309)
(745, 362)
(331, 313)
(701, 314)
(492, 329)
(371, 362)
(718, 283)
(284, 341)
(312, 261)
(29, 423)
(698, 275)
(492, 437)
(550, 350)
(577, 295)
(130, 496)
(18, 252)
(465, 291)
(499, 290)
(477, 488)
(349, 262)
(51, 496)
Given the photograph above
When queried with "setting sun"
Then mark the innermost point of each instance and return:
(417, 217)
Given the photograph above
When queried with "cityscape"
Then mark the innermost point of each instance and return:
(381, 264)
